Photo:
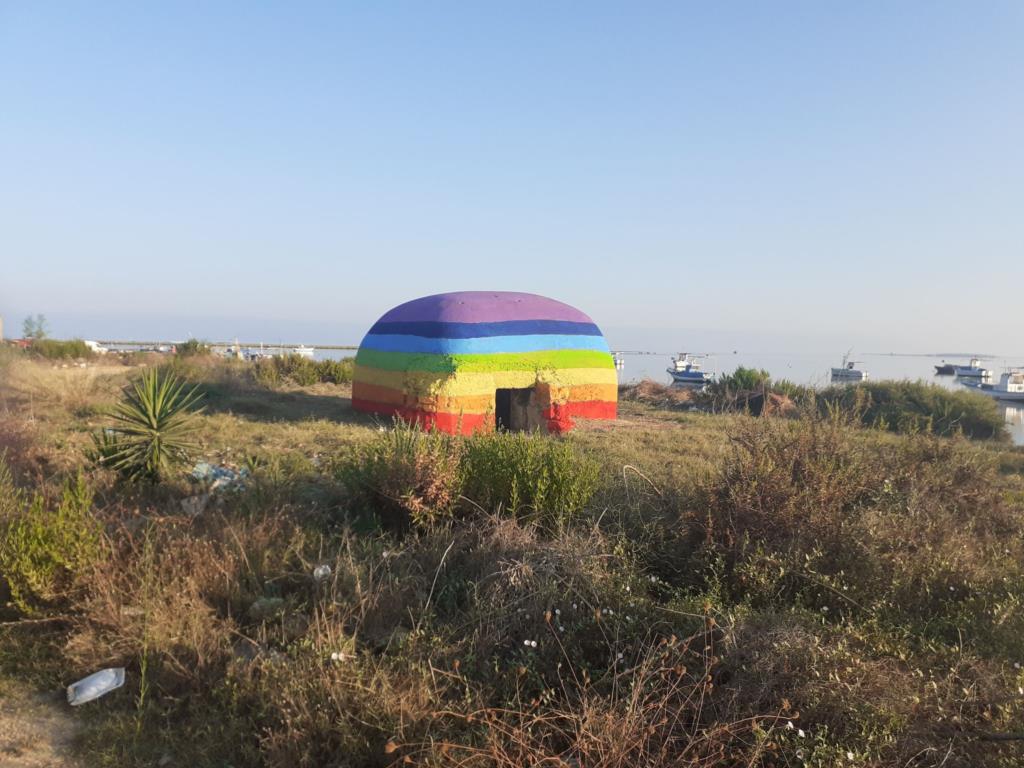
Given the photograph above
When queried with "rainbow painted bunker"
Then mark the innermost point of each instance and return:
(474, 360)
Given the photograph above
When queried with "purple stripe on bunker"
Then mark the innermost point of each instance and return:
(483, 307)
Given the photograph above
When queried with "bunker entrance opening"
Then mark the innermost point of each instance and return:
(515, 410)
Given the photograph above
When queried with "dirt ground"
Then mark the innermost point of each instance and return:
(36, 730)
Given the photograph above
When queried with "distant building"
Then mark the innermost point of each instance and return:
(474, 360)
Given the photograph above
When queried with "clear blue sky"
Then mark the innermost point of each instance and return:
(831, 174)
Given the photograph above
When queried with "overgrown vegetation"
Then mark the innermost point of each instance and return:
(677, 589)
(407, 475)
(272, 371)
(904, 407)
(45, 547)
(193, 348)
(910, 407)
(52, 349)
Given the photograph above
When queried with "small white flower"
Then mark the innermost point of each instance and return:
(335, 656)
(619, 655)
(952, 589)
(611, 612)
(558, 612)
(526, 643)
(533, 643)
(628, 588)
(849, 755)
(789, 724)
(1016, 665)
(800, 732)
(561, 628)
(574, 606)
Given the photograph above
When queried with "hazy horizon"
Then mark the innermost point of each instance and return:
(271, 330)
(805, 177)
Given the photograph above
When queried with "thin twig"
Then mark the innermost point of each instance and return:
(645, 477)
(437, 573)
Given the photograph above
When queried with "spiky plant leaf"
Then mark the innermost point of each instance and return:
(155, 424)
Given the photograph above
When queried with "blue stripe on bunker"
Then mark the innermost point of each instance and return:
(481, 345)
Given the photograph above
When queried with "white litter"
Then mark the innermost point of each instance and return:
(321, 572)
(95, 685)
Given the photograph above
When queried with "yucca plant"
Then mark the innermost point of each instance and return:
(154, 426)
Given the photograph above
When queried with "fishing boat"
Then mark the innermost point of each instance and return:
(849, 371)
(686, 370)
(972, 371)
(1010, 386)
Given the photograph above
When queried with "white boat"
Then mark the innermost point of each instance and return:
(1010, 386)
(972, 371)
(686, 370)
(849, 371)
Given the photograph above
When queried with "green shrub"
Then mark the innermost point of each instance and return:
(52, 349)
(298, 369)
(335, 371)
(266, 372)
(271, 371)
(741, 380)
(42, 549)
(745, 389)
(193, 348)
(532, 476)
(406, 475)
(910, 407)
(154, 423)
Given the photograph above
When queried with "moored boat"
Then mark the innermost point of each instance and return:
(686, 370)
(1010, 386)
(849, 371)
(946, 369)
(973, 370)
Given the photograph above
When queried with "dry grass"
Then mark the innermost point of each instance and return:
(731, 576)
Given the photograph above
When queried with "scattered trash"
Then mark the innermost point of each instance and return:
(95, 685)
(218, 477)
(321, 572)
(193, 506)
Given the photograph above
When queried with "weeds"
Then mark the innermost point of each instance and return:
(406, 476)
(45, 548)
(540, 479)
(272, 371)
(913, 407)
(748, 592)
(51, 349)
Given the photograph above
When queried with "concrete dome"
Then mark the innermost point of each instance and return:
(476, 359)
